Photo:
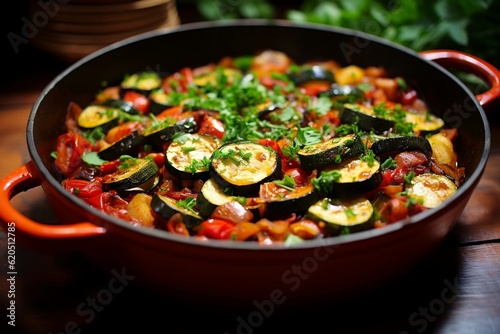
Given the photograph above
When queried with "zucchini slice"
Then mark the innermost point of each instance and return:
(158, 101)
(365, 118)
(343, 216)
(357, 177)
(314, 73)
(124, 146)
(281, 202)
(431, 189)
(243, 166)
(143, 82)
(167, 207)
(344, 93)
(98, 115)
(211, 196)
(132, 175)
(159, 134)
(124, 106)
(330, 152)
(210, 77)
(391, 146)
(426, 123)
(188, 156)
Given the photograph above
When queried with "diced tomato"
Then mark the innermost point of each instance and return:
(173, 113)
(245, 230)
(115, 206)
(272, 144)
(72, 114)
(182, 194)
(183, 78)
(212, 126)
(139, 101)
(158, 158)
(314, 88)
(270, 61)
(216, 229)
(109, 167)
(70, 148)
(82, 188)
(121, 131)
(175, 225)
(408, 97)
(392, 189)
(270, 82)
(396, 209)
(100, 201)
(305, 228)
(298, 174)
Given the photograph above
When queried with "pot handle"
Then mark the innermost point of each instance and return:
(21, 179)
(472, 64)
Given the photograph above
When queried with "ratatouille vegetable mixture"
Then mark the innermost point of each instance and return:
(259, 148)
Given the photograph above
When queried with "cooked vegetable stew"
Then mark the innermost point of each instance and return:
(259, 148)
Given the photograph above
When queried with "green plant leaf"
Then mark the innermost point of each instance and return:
(329, 13)
(446, 10)
(256, 9)
(296, 15)
(457, 31)
(380, 14)
(92, 158)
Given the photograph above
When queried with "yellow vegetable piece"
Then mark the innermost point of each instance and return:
(442, 149)
(349, 75)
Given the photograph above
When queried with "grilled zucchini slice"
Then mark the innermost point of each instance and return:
(211, 196)
(167, 207)
(243, 166)
(431, 189)
(159, 101)
(365, 118)
(124, 106)
(124, 146)
(210, 77)
(188, 156)
(343, 216)
(159, 134)
(98, 115)
(391, 146)
(281, 202)
(356, 177)
(330, 152)
(425, 123)
(344, 93)
(143, 82)
(312, 74)
(133, 174)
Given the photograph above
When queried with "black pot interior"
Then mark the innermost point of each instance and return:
(198, 44)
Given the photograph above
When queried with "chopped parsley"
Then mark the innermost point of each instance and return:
(287, 183)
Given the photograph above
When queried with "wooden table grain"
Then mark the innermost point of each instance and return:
(457, 290)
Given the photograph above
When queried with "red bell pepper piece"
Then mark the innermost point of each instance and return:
(138, 100)
(216, 229)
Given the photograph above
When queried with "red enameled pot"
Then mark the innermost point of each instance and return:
(238, 273)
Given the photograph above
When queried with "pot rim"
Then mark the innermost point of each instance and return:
(462, 191)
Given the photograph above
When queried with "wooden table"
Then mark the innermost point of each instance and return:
(456, 291)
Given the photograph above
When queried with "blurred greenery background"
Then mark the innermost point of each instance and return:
(472, 26)
(469, 25)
